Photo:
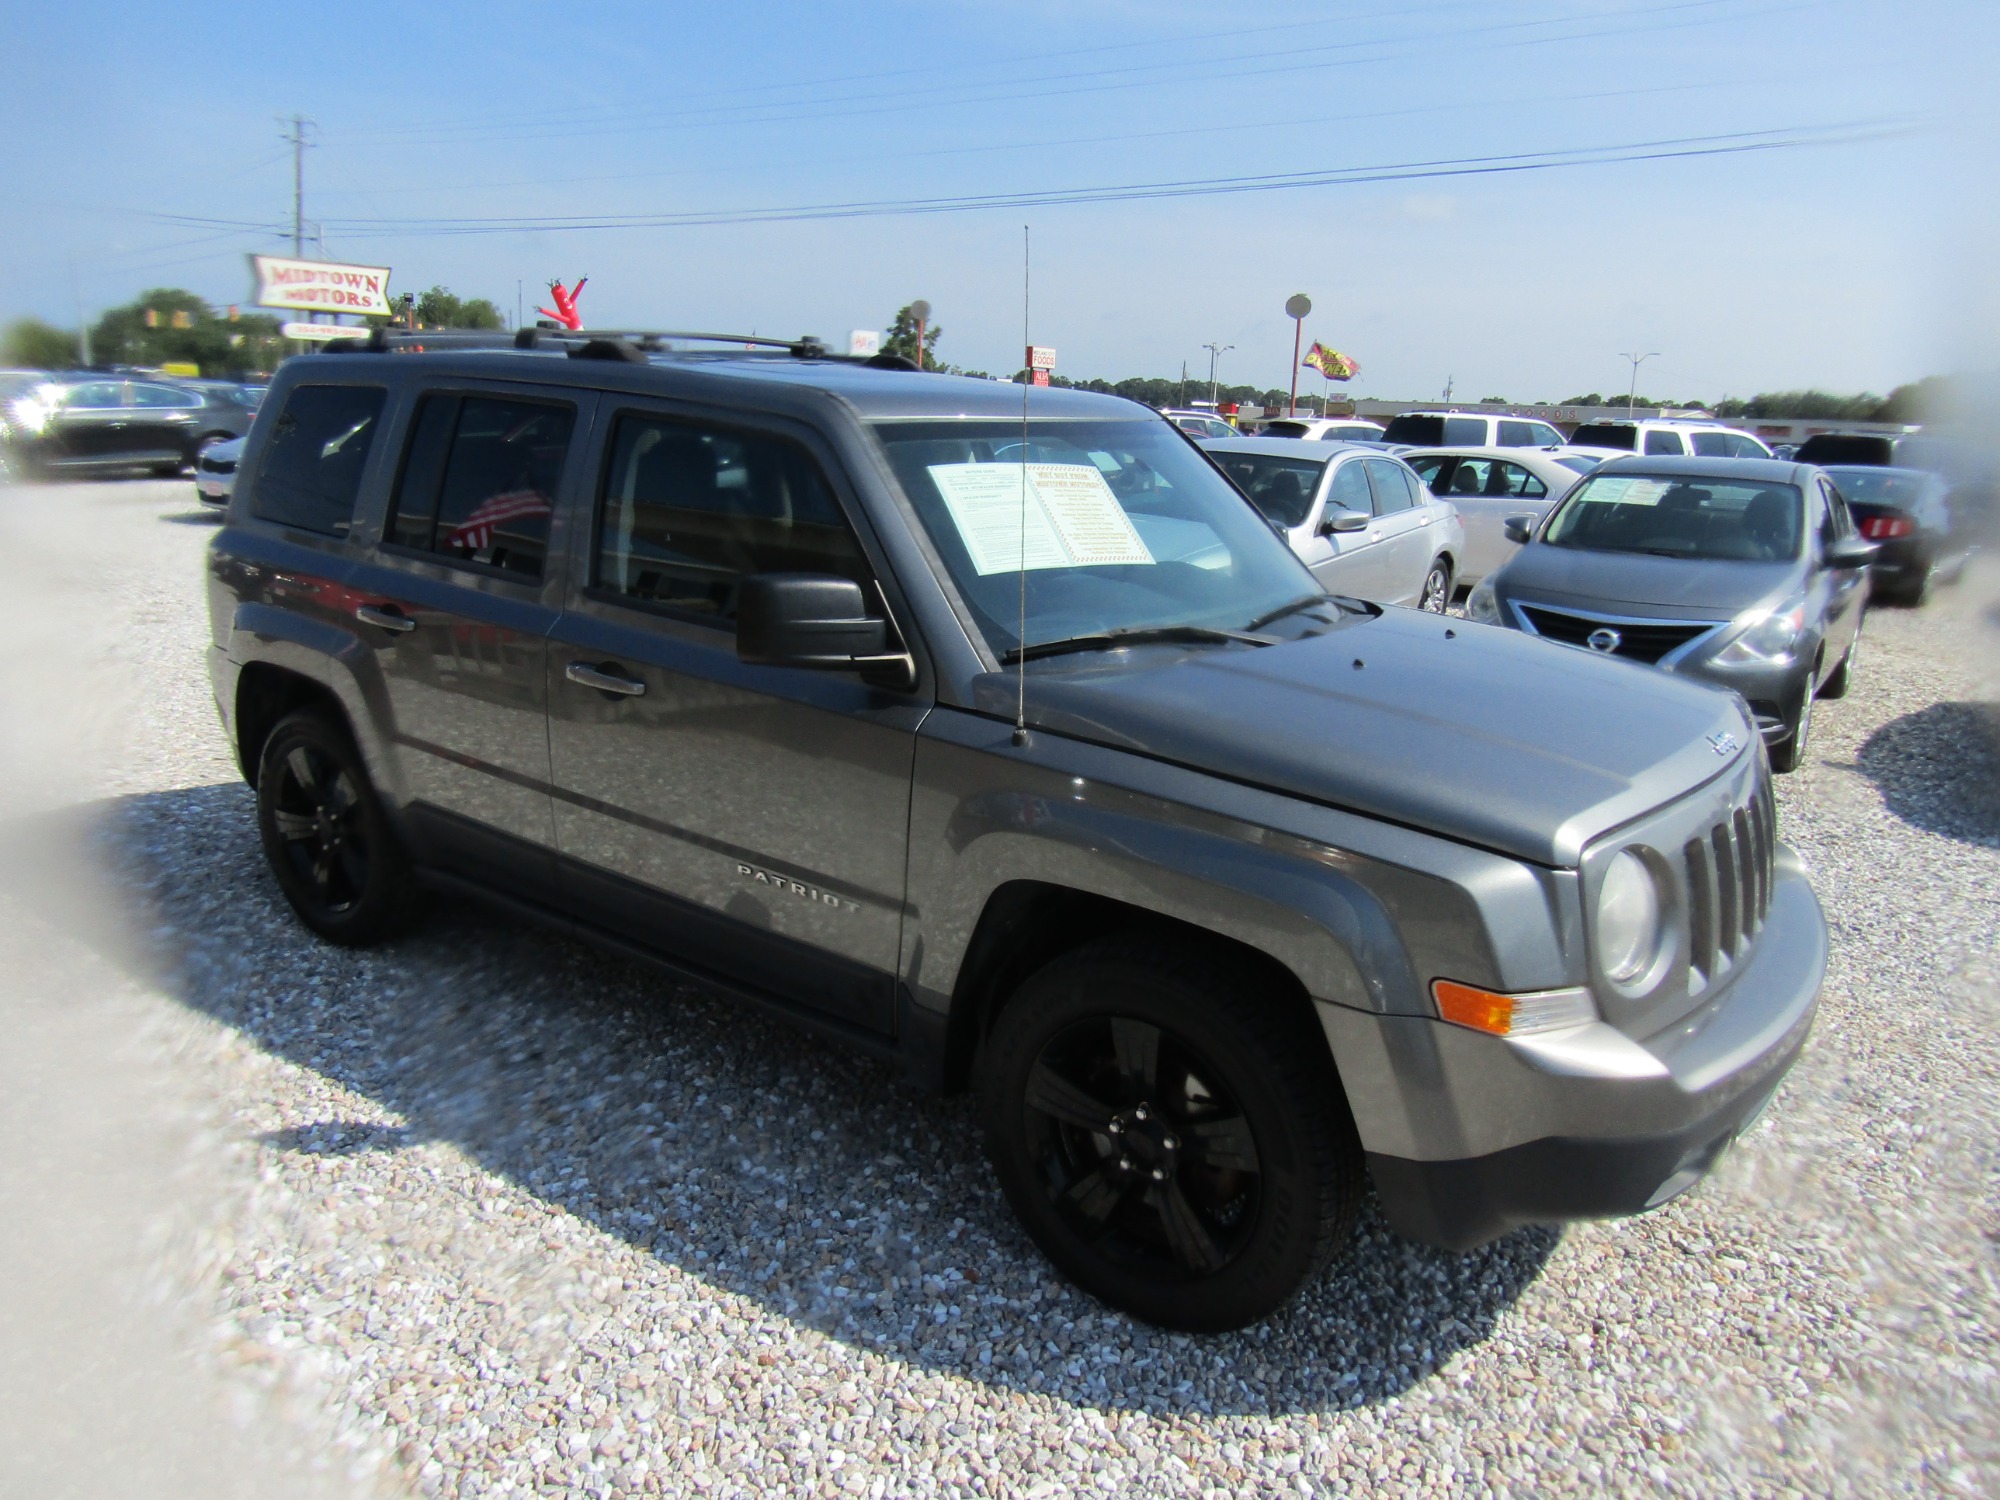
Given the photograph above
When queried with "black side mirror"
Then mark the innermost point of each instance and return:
(1339, 518)
(815, 620)
(1849, 552)
(1519, 529)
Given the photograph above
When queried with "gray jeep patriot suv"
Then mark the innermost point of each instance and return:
(1008, 740)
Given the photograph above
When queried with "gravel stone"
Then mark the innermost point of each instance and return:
(518, 1218)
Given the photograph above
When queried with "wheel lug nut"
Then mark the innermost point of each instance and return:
(1142, 1112)
(1124, 1163)
(1172, 1143)
(1117, 1127)
(1159, 1175)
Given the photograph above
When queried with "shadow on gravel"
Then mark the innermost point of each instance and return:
(777, 1167)
(1939, 769)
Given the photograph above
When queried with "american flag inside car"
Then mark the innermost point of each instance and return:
(475, 532)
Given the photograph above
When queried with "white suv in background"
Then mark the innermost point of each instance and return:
(1669, 439)
(1470, 429)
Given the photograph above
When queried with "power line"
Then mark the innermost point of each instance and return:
(296, 137)
(1789, 138)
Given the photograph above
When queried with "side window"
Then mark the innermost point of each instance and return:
(1715, 444)
(1544, 436)
(1469, 432)
(99, 395)
(689, 509)
(1391, 493)
(1516, 435)
(1435, 471)
(1839, 523)
(1664, 442)
(479, 480)
(165, 395)
(1350, 489)
(1512, 479)
(1472, 476)
(310, 474)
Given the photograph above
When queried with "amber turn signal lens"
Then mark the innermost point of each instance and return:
(1482, 1010)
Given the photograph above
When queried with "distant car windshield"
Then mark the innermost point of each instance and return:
(1606, 435)
(1362, 433)
(1898, 487)
(1286, 429)
(1113, 525)
(1426, 430)
(1281, 486)
(1684, 516)
(1583, 463)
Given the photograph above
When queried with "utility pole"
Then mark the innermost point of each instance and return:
(1632, 391)
(297, 137)
(1181, 399)
(1215, 352)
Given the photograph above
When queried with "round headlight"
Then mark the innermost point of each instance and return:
(1628, 918)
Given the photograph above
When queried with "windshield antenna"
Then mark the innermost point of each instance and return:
(1021, 558)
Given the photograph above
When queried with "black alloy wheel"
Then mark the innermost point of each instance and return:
(1436, 595)
(324, 833)
(1176, 1142)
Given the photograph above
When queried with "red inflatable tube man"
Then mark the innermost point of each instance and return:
(565, 311)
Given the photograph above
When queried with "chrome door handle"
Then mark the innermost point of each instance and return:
(386, 619)
(585, 675)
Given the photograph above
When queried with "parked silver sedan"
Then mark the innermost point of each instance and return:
(1487, 485)
(1360, 519)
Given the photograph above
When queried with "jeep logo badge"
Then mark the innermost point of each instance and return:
(1606, 640)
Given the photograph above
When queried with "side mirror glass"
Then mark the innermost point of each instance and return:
(1519, 529)
(815, 620)
(1849, 552)
(1338, 518)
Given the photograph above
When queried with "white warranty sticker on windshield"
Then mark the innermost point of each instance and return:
(1067, 517)
(1611, 491)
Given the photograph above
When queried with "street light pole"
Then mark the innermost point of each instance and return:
(1215, 352)
(1632, 391)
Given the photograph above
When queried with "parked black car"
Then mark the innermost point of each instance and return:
(1849, 449)
(1907, 514)
(92, 423)
(1744, 572)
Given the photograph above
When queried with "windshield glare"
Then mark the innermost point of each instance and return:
(1126, 527)
(1717, 519)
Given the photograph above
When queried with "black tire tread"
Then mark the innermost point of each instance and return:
(1290, 1043)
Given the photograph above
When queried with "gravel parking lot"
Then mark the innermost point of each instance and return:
(488, 1212)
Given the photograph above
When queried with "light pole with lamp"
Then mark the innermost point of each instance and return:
(1215, 352)
(1632, 391)
(1296, 307)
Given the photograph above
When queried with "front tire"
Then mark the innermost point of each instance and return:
(1436, 593)
(1842, 677)
(1173, 1135)
(326, 836)
(1790, 753)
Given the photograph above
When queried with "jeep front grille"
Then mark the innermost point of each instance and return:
(1730, 870)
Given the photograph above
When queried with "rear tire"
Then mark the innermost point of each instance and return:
(326, 836)
(1173, 1136)
(1435, 597)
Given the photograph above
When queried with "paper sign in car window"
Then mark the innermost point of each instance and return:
(1092, 522)
(1609, 491)
(1000, 533)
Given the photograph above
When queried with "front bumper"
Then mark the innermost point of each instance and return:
(1470, 1135)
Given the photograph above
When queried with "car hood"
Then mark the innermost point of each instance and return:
(1477, 733)
(1610, 581)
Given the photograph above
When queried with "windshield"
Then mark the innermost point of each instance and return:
(1360, 433)
(1583, 463)
(1694, 518)
(1126, 527)
(1280, 486)
(1897, 487)
(1285, 428)
(1605, 435)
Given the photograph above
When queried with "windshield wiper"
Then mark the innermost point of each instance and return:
(1142, 635)
(1306, 601)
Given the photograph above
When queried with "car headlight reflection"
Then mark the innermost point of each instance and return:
(1628, 918)
(1769, 638)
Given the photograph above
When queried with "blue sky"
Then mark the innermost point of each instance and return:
(1859, 263)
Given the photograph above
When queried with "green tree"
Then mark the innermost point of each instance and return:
(439, 308)
(169, 325)
(37, 345)
(901, 338)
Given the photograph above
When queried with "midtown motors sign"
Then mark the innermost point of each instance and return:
(321, 286)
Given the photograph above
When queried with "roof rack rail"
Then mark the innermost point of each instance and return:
(630, 345)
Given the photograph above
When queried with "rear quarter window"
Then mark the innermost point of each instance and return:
(1469, 431)
(309, 476)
